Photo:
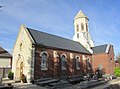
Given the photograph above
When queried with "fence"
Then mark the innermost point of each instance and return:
(4, 72)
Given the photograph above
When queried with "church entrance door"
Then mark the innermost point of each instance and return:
(21, 68)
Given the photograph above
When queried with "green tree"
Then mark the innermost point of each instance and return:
(117, 72)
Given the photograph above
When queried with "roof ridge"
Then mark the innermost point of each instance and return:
(100, 45)
(52, 40)
(4, 49)
(100, 48)
(5, 53)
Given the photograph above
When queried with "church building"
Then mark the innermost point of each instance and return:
(38, 54)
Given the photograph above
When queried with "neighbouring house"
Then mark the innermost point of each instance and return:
(103, 58)
(38, 54)
(5, 62)
(117, 64)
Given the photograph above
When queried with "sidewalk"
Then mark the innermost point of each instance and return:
(20, 85)
(26, 86)
(115, 81)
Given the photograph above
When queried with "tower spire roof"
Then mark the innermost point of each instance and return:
(80, 14)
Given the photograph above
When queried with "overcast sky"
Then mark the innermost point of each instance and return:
(56, 17)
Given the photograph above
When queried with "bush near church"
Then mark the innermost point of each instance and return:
(117, 72)
(10, 75)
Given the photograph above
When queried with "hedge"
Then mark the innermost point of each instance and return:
(117, 71)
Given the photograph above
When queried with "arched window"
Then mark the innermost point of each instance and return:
(77, 27)
(63, 62)
(82, 26)
(88, 63)
(77, 60)
(44, 57)
(77, 35)
(21, 46)
(86, 27)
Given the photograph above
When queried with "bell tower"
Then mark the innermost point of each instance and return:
(82, 31)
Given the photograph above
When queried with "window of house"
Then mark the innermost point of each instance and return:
(82, 26)
(44, 57)
(63, 62)
(111, 59)
(77, 27)
(77, 59)
(88, 63)
(77, 35)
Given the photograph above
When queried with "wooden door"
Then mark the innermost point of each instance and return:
(21, 68)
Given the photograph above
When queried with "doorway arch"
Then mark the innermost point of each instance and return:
(19, 68)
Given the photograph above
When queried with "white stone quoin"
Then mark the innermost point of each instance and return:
(82, 31)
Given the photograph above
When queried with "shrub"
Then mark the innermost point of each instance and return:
(10, 75)
(99, 73)
(117, 72)
(23, 78)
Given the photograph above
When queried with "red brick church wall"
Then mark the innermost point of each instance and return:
(54, 67)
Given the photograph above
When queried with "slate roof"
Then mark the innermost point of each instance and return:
(50, 40)
(99, 49)
(4, 53)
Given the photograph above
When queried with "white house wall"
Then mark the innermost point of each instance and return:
(5, 62)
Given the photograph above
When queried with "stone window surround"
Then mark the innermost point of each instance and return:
(44, 66)
(82, 27)
(63, 67)
(88, 62)
(77, 28)
(76, 61)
